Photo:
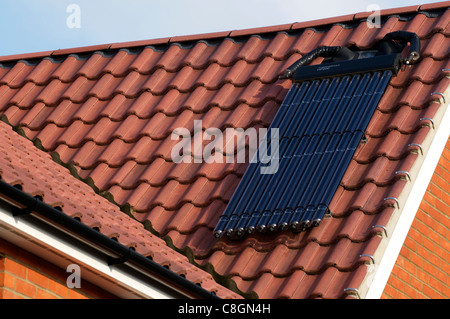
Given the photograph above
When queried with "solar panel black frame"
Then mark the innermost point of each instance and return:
(320, 124)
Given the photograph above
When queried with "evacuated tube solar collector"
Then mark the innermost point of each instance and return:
(321, 122)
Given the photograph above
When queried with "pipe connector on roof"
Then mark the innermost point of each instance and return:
(324, 51)
(405, 37)
(413, 56)
(387, 46)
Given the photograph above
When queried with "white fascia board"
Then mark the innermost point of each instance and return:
(62, 251)
(408, 212)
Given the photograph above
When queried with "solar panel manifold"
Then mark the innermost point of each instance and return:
(318, 128)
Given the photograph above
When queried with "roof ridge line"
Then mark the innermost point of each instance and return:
(230, 33)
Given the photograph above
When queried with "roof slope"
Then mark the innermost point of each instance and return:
(33, 171)
(108, 115)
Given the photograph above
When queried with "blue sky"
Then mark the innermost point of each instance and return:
(41, 25)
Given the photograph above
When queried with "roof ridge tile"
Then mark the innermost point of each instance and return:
(224, 34)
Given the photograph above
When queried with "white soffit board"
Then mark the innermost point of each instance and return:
(63, 251)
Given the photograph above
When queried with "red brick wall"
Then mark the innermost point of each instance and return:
(24, 276)
(422, 267)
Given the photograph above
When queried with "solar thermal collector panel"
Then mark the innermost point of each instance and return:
(319, 124)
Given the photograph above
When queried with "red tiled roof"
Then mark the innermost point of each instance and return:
(25, 166)
(109, 114)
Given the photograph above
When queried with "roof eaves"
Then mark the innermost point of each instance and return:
(180, 285)
(58, 204)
